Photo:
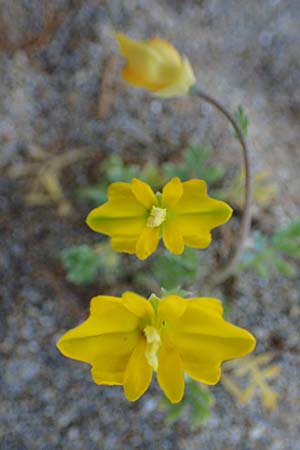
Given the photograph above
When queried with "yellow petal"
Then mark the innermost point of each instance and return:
(210, 348)
(147, 242)
(108, 354)
(171, 193)
(138, 305)
(111, 360)
(110, 374)
(137, 79)
(195, 200)
(142, 63)
(172, 237)
(200, 240)
(204, 319)
(197, 214)
(183, 85)
(122, 215)
(171, 308)
(105, 340)
(165, 50)
(202, 354)
(120, 192)
(170, 374)
(92, 348)
(108, 314)
(155, 65)
(208, 303)
(208, 373)
(124, 243)
(143, 193)
(196, 227)
(204, 340)
(138, 373)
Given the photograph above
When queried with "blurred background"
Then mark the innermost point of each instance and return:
(69, 125)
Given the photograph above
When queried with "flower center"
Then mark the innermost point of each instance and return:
(156, 217)
(153, 341)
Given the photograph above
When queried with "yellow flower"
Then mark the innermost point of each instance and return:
(155, 65)
(136, 218)
(125, 339)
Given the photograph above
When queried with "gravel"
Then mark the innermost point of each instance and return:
(52, 62)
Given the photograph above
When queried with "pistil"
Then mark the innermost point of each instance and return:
(153, 340)
(157, 217)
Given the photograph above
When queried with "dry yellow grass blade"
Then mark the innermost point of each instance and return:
(257, 370)
(43, 172)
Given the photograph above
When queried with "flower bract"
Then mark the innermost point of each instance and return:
(155, 65)
(126, 339)
(136, 218)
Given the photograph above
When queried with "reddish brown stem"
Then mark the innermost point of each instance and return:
(230, 266)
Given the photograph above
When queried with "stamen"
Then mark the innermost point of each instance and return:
(157, 217)
(153, 341)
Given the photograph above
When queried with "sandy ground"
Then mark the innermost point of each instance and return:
(60, 91)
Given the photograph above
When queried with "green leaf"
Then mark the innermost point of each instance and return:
(194, 164)
(115, 170)
(274, 255)
(81, 264)
(242, 120)
(96, 194)
(172, 271)
(285, 268)
(287, 239)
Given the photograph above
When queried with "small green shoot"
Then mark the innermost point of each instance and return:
(194, 165)
(243, 121)
(84, 264)
(275, 255)
(172, 271)
(287, 239)
(113, 170)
